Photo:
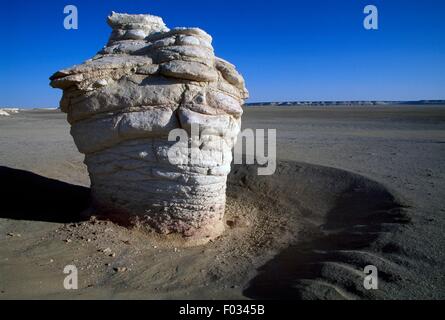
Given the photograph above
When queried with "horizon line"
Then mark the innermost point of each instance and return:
(290, 102)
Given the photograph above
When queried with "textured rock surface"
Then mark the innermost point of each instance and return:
(123, 103)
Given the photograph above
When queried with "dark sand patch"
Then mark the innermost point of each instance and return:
(29, 196)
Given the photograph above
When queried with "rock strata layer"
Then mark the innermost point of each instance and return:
(123, 103)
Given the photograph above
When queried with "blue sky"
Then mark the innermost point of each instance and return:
(286, 50)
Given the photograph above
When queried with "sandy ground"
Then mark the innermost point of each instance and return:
(353, 187)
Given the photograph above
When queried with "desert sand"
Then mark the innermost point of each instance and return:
(354, 186)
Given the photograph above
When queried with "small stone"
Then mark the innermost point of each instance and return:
(112, 255)
(120, 269)
(67, 240)
(12, 234)
(106, 250)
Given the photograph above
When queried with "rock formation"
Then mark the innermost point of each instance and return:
(123, 103)
(8, 111)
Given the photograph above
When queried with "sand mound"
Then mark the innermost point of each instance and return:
(339, 221)
(305, 232)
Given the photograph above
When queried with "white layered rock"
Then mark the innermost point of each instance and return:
(8, 111)
(123, 103)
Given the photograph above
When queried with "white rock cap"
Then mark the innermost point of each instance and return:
(136, 21)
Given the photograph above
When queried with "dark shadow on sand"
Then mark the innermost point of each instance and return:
(29, 196)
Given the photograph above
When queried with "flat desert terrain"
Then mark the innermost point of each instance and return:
(354, 186)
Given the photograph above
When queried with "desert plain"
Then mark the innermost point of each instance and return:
(354, 186)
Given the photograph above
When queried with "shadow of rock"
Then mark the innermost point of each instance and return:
(29, 196)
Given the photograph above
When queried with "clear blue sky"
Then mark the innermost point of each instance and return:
(286, 50)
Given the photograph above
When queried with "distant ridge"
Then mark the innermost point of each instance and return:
(310, 103)
(345, 103)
